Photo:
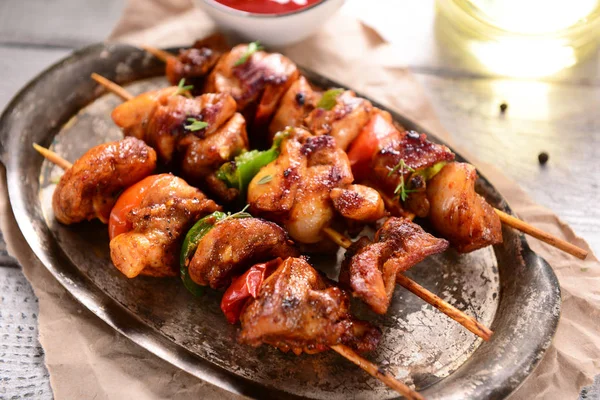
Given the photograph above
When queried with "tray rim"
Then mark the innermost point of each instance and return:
(129, 325)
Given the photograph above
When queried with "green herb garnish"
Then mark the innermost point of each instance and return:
(329, 99)
(401, 189)
(402, 166)
(265, 179)
(195, 125)
(252, 48)
(183, 89)
(240, 214)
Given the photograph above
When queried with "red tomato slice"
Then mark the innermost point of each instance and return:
(129, 199)
(246, 286)
(367, 143)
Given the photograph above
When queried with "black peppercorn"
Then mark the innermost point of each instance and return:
(503, 107)
(543, 157)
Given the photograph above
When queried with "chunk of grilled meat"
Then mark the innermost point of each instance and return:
(257, 84)
(458, 213)
(162, 119)
(358, 202)
(234, 245)
(404, 153)
(299, 310)
(296, 193)
(165, 115)
(195, 63)
(203, 156)
(90, 188)
(344, 121)
(296, 104)
(160, 222)
(370, 269)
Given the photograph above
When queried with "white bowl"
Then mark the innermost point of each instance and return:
(272, 30)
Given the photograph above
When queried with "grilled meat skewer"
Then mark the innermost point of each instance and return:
(90, 187)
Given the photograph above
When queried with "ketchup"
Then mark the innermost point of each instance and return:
(268, 6)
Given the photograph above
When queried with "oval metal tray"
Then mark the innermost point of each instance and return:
(508, 288)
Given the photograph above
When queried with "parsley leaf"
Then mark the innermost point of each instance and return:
(252, 48)
(265, 179)
(195, 125)
(183, 89)
(329, 98)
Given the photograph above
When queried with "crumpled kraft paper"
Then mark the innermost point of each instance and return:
(87, 359)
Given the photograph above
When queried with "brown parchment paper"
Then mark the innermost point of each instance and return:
(87, 359)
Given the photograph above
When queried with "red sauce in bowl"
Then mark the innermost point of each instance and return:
(268, 6)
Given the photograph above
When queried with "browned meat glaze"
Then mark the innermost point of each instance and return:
(234, 245)
(90, 188)
(358, 202)
(344, 121)
(296, 104)
(294, 190)
(370, 268)
(201, 157)
(297, 195)
(257, 85)
(195, 63)
(458, 212)
(411, 148)
(161, 119)
(159, 223)
(298, 310)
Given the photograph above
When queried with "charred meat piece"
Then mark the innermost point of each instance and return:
(358, 202)
(298, 310)
(344, 121)
(203, 156)
(370, 269)
(90, 188)
(195, 63)
(296, 104)
(257, 81)
(294, 189)
(406, 153)
(458, 213)
(234, 245)
(167, 209)
(133, 115)
(165, 121)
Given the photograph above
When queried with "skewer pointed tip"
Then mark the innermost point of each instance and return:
(537, 233)
(158, 53)
(112, 86)
(376, 372)
(52, 157)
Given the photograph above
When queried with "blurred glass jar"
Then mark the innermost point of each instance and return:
(524, 38)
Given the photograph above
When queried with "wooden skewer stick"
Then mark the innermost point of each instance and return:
(53, 157)
(346, 352)
(465, 320)
(337, 237)
(158, 53)
(374, 371)
(541, 235)
(112, 87)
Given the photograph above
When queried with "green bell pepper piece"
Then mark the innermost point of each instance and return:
(238, 173)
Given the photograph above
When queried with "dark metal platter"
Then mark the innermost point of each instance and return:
(508, 287)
